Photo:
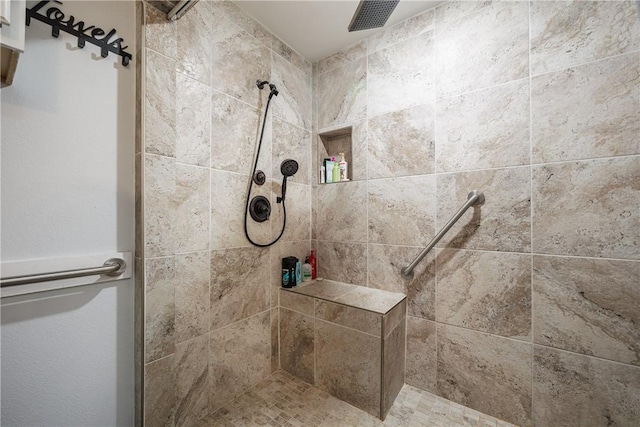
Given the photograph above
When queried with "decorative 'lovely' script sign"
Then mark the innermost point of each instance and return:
(92, 34)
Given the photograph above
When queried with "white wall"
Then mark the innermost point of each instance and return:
(68, 190)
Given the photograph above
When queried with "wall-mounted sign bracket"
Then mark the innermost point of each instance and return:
(92, 34)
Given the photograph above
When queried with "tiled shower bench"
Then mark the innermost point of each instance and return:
(345, 339)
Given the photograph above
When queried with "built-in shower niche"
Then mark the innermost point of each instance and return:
(335, 142)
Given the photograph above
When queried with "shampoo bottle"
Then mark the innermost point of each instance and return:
(335, 177)
(306, 271)
(312, 262)
(342, 168)
(329, 169)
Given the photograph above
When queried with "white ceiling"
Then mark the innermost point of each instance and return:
(318, 28)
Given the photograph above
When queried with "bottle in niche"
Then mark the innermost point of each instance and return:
(312, 262)
(335, 177)
(342, 169)
(306, 270)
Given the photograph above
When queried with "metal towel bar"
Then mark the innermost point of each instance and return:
(474, 198)
(111, 267)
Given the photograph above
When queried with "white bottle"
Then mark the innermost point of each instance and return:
(330, 166)
(306, 271)
(342, 166)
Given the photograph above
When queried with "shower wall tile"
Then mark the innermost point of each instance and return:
(193, 121)
(160, 392)
(298, 200)
(159, 338)
(503, 223)
(343, 262)
(275, 339)
(342, 95)
(293, 104)
(282, 49)
(414, 26)
(588, 306)
(192, 273)
(228, 195)
(160, 34)
(192, 380)
(238, 60)
(239, 357)
(587, 111)
(341, 218)
(229, 11)
(421, 368)
(297, 352)
(402, 211)
(485, 291)
(453, 10)
(565, 34)
(484, 129)
(194, 43)
(159, 205)
(192, 210)
(351, 53)
(159, 105)
(402, 143)
(394, 317)
(496, 379)
(348, 365)
(571, 389)
(394, 366)
(583, 208)
(359, 151)
(291, 142)
(351, 317)
(385, 264)
(234, 126)
(297, 302)
(239, 284)
(399, 78)
(281, 250)
(499, 35)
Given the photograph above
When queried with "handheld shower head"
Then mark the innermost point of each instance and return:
(261, 83)
(288, 167)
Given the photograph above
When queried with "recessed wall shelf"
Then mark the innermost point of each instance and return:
(335, 142)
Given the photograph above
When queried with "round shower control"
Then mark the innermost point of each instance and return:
(260, 208)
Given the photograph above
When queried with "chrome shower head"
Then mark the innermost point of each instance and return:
(372, 14)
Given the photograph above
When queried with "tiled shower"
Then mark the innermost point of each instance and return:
(526, 310)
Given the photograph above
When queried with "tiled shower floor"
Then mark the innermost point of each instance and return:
(284, 400)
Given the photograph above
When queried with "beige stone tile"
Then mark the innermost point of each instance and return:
(484, 129)
(291, 142)
(565, 34)
(393, 318)
(453, 10)
(350, 53)
(160, 392)
(297, 352)
(582, 208)
(348, 365)
(503, 223)
(571, 389)
(159, 104)
(485, 291)
(275, 339)
(194, 43)
(193, 121)
(362, 320)
(160, 34)
(498, 378)
(293, 104)
(234, 126)
(340, 208)
(281, 250)
(588, 306)
(191, 380)
(238, 60)
(192, 295)
(192, 211)
(285, 51)
(342, 95)
(397, 139)
(421, 368)
(414, 26)
(298, 203)
(374, 300)
(587, 111)
(159, 205)
(297, 302)
(402, 211)
(229, 11)
(499, 36)
(343, 262)
(401, 76)
(159, 330)
(239, 284)
(394, 367)
(324, 289)
(239, 357)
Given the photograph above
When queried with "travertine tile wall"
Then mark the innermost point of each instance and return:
(528, 309)
(207, 298)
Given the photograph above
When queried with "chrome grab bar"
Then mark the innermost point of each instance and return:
(473, 198)
(111, 267)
